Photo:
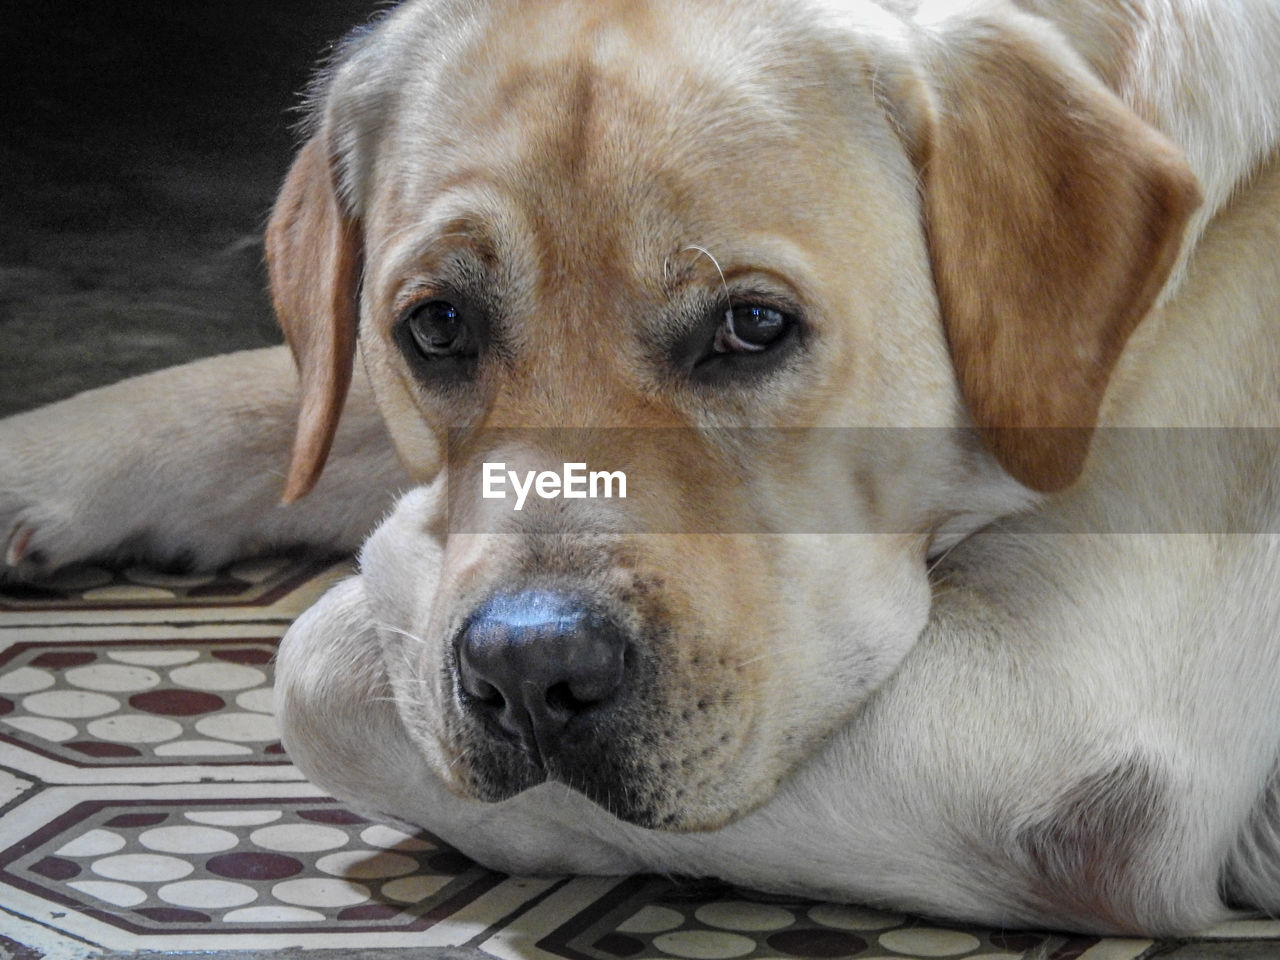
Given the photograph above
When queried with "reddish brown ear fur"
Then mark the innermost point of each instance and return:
(1054, 215)
(314, 261)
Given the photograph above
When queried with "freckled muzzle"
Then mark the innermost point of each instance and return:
(549, 684)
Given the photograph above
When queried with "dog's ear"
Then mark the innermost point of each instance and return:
(1054, 215)
(314, 259)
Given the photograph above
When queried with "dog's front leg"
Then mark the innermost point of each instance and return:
(185, 465)
(341, 726)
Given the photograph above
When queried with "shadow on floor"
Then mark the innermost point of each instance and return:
(143, 144)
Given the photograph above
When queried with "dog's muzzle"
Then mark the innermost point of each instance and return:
(542, 670)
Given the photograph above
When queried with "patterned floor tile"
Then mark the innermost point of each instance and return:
(267, 865)
(12, 787)
(130, 702)
(273, 588)
(649, 917)
(143, 703)
(228, 866)
(21, 939)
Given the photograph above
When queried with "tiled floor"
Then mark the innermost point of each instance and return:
(146, 804)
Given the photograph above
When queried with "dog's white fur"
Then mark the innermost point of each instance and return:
(1084, 733)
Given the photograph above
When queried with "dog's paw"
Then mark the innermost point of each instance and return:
(41, 535)
(184, 467)
(88, 478)
(49, 514)
(29, 557)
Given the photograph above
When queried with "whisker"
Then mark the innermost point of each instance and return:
(716, 263)
(402, 633)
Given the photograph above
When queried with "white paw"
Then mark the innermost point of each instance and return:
(184, 465)
(50, 513)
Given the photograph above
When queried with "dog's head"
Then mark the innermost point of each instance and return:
(825, 284)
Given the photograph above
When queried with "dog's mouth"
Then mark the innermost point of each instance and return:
(547, 686)
(636, 772)
(601, 767)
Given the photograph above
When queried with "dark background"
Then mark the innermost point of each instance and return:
(141, 144)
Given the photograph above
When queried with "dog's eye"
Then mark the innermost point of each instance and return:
(438, 330)
(738, 341)
(441, 340)
(750, 328)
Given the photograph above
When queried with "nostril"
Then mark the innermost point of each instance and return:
(562, 698)
(475, 685)
(487, 694)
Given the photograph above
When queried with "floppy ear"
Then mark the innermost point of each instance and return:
(1054, 215)
(314, 262)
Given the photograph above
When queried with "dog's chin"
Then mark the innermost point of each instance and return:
(621, 787)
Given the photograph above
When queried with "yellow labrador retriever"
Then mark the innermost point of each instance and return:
(838, 440)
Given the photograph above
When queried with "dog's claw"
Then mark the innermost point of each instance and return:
(19, 544)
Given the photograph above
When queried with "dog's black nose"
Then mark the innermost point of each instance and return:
(533, 661)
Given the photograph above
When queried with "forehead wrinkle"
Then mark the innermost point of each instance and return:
(611, 165)
(587, 195)
(604, 87)
(471, 206)
(607, 164)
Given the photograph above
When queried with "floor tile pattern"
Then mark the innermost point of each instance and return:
(269, 589)
(146, 804)
(256, 866)
(84, 587)
(699, 921)
(122, 702)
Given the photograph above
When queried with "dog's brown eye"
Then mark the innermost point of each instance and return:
(750, 328)
(441, 340)
(737, 342)
(438, 330)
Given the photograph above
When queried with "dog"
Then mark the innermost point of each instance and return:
(938, 347)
